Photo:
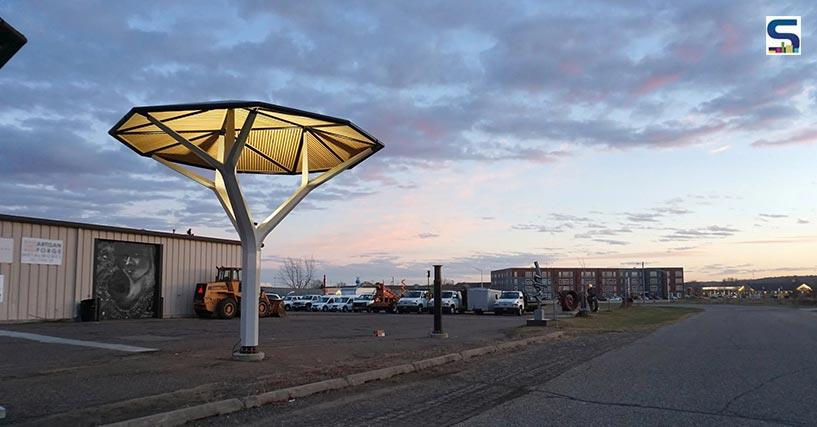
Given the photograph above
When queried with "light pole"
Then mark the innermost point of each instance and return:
(481, 282)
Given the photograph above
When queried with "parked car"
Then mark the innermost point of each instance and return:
(341, 303)
(413, 301)
(288, 300)
(270, 293)
(510, 302)
(322, 304)
(362, 302)
(451, 302)
(614, 299)
(305, 302)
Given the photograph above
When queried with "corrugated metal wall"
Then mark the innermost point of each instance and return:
(50, 292)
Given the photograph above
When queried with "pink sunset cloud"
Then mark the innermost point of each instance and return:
(804, 137)
(655, 83)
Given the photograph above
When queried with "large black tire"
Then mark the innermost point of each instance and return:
(263, 309)
(325, 308)
(569, 300)
(226, 308)
(287, 307)
(419, 309)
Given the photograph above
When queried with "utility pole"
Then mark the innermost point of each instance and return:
(643, 280)
(627, 292)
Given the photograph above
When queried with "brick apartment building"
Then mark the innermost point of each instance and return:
(656, 281)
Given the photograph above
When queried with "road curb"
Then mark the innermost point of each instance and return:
(184, 415)
(436, 361)
(479, 351)
(379, 374)
(221, 407)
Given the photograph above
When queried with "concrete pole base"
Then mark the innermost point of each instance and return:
(439, 335)
(248, 357)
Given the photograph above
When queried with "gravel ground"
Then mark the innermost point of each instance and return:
(48, 383)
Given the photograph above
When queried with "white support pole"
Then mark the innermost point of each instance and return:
(228, 191)
(270, 222)
(186, 172)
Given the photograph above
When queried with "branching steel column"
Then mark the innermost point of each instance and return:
(226, 187)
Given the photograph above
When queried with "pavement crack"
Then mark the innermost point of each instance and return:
(757, 387)
(669, 409)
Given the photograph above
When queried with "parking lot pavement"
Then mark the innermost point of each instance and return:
(44, 381)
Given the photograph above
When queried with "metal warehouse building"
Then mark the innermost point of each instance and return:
(47, 268)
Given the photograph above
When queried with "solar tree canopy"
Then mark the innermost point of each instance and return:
(231, 137)
(277, 138)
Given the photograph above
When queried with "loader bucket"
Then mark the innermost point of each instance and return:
(277, 309)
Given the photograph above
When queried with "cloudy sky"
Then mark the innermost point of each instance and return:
(585, 133)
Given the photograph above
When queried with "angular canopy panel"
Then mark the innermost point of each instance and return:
(275, 145)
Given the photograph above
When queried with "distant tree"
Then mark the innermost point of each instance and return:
(298, 273)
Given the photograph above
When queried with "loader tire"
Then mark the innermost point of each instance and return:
(263, 309)
(226, 308)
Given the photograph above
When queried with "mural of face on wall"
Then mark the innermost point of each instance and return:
(125, 279)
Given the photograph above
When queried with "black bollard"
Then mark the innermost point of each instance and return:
(438, 304)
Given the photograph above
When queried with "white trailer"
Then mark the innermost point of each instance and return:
(481, 300)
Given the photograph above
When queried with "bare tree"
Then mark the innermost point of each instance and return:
(297, 273)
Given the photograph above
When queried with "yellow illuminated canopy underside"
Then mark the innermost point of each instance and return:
(275, 144)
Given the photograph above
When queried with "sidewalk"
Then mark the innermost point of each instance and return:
(45, 383)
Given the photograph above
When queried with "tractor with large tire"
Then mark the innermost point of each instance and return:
(569, 300)
(221, 298)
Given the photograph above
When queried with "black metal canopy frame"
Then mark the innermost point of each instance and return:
(11, 41)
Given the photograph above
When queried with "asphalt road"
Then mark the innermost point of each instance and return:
(730, 365)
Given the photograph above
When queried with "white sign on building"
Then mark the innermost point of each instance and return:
(6, 250)
(41, 251)
(2, 284)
